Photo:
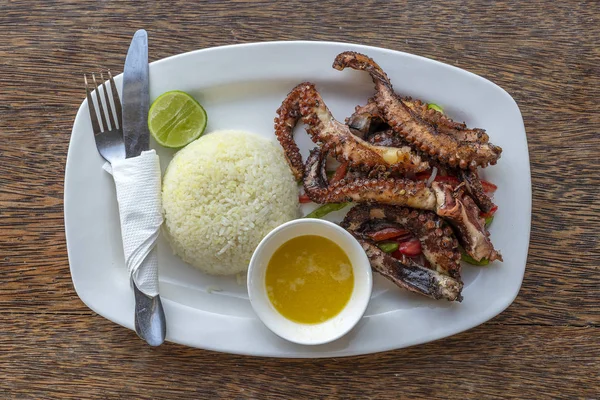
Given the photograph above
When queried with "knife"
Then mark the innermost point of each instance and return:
(150, 323)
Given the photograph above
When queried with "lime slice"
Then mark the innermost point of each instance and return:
(176, 119)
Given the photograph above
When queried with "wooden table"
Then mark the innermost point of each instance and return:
(546, 54)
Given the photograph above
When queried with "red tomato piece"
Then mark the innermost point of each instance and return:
(388, 233)
(488, 187)
(304, 199)
(340, 173)
(490, 213)
(409, 248)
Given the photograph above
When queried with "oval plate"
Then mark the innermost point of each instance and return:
(241, 86)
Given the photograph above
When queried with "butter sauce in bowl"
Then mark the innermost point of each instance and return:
(309, 281)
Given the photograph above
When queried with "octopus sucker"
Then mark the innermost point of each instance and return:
(447, 201)
(305, 102)
(408, 123)
(406, 272)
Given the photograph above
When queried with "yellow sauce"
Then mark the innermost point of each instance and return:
(309, 279)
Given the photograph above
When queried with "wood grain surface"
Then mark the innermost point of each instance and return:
(546, 54)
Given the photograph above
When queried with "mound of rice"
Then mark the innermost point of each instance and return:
(221, 195)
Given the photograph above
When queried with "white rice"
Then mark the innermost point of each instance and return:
(221, 195)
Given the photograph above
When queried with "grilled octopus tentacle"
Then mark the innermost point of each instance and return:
(471, 179)
(444, 124)
(421, 134)
(345, 146)
(367, 119)
(287, 118)
(392, 191)
(405, 272)
(448, 202)
(430, 115)
(411, 276)
(475, 189)
(460, 210)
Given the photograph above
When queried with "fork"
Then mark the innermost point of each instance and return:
(150, 324)
(109, 138)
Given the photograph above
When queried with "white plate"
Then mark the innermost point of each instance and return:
(241, 86)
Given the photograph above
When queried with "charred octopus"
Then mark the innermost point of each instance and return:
(411, 169)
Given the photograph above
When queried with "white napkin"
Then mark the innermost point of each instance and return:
(138, 182)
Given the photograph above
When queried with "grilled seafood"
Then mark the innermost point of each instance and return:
(440, 279)
(401, 191)
(367, 119)
(410, 124)
(461, 211)
(470, 178)
(304, 101)
(475, 189)
(446, 200)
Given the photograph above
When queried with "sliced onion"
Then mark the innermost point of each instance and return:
(434, 172)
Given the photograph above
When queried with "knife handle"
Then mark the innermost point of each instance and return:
(150, 322)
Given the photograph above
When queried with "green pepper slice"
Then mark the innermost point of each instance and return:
(435, 107)
(326, 209)
(388, 247)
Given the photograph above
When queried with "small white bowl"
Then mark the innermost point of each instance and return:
(310, 334)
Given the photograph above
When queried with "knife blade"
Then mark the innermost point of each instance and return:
(150, 322)
(136, 96)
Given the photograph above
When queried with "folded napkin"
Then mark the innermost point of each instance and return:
(138, 182)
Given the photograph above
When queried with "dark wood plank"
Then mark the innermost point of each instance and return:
(69, 356)
(543, 53)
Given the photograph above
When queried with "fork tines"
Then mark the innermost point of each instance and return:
(105, 109)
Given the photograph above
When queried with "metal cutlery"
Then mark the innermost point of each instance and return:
(122, 134)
